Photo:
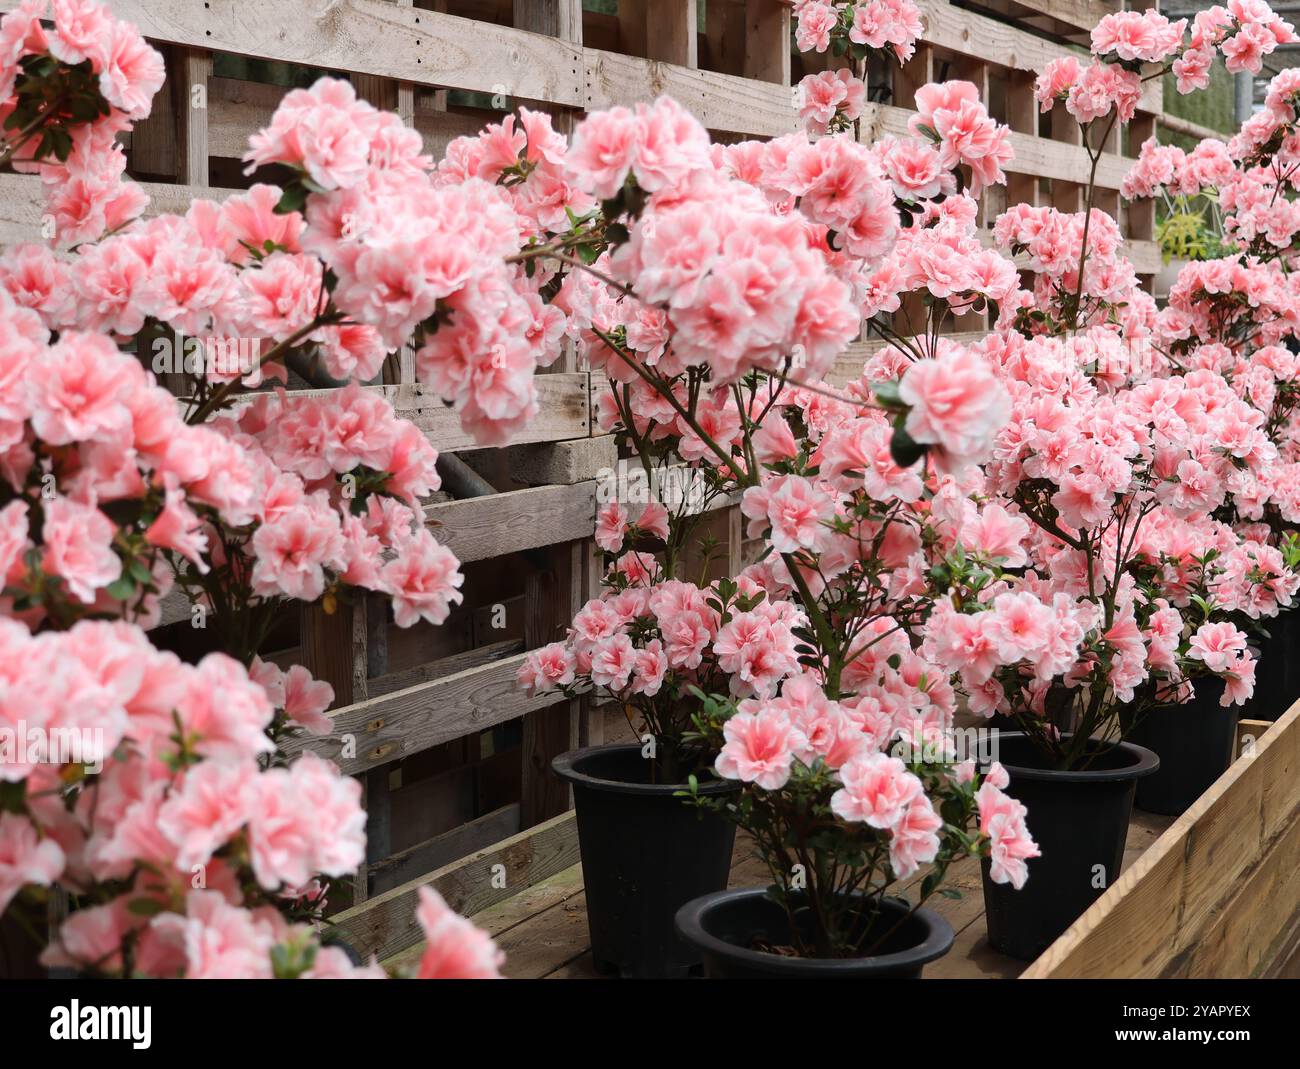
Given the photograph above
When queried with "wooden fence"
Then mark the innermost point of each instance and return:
(455, 759)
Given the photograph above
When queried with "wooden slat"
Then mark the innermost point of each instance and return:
(551, 598)
(968, 33)
(1249, 732)
(1084, 14)
(767, 41)
(670, 33)
(555, 18)
(482, 527)
(1235, 844)
(192, 78)
(416, 861)
(405, 722)
(391, 682)
(385, 925)
(22, 203)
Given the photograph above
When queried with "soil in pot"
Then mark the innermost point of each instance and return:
(1080, 821)
(645, 853)
(737, 931)
(1194, 742)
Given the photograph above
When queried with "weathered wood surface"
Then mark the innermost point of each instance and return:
(385, 924)
(1217, 896)
(405, 722)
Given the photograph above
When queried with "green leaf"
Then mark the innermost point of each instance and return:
(904, 449)
(294, 199)
(121, 588)
(887, 393)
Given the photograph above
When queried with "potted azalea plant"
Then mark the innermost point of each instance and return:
(647, 642)
(1232, 316)
(686, 365)
(823, 630)
(1123, 597)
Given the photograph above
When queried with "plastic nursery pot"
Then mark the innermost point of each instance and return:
(1194, 742)
(1277, 670)
(724, 927)
(644, 854)
(1080, 821)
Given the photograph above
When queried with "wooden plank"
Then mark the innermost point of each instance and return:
(720, 101)
(1249, 732)
(482, 527)
(1252, 927)
(370, 37)
(330, 650)
(767, 41)
(1150, 919)
(444, 666)
(555, 18)
(195, 70)
(385, 925)
(968, 33)
(405, 722)
(506, 915)
(1084, 14)
(152, 147)
(724, 31)
(563, 400)
(387, 872)
(22, 204)
(1141, 213)
(670, 33)
(551, 599)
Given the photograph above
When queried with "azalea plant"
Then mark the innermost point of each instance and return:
(715, 297)
(153, 794)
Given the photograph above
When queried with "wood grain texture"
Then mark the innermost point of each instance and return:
(767, 41)
(385, 925)
(551, 598)
(968, 33)
(555, 18)
(405, 722)
(1237, 840)
(420, 46)
(483, 527)
(477, 834)
(191, 80)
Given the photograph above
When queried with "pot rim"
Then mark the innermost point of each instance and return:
(936, 944)
(1143, 762)
(565, 766)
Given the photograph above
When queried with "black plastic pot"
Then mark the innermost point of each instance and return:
(1080, 821)
(1194, 742)
(1277, 670)
(645, 853)
(724, 926)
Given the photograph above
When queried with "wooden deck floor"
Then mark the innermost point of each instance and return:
(543, 930)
